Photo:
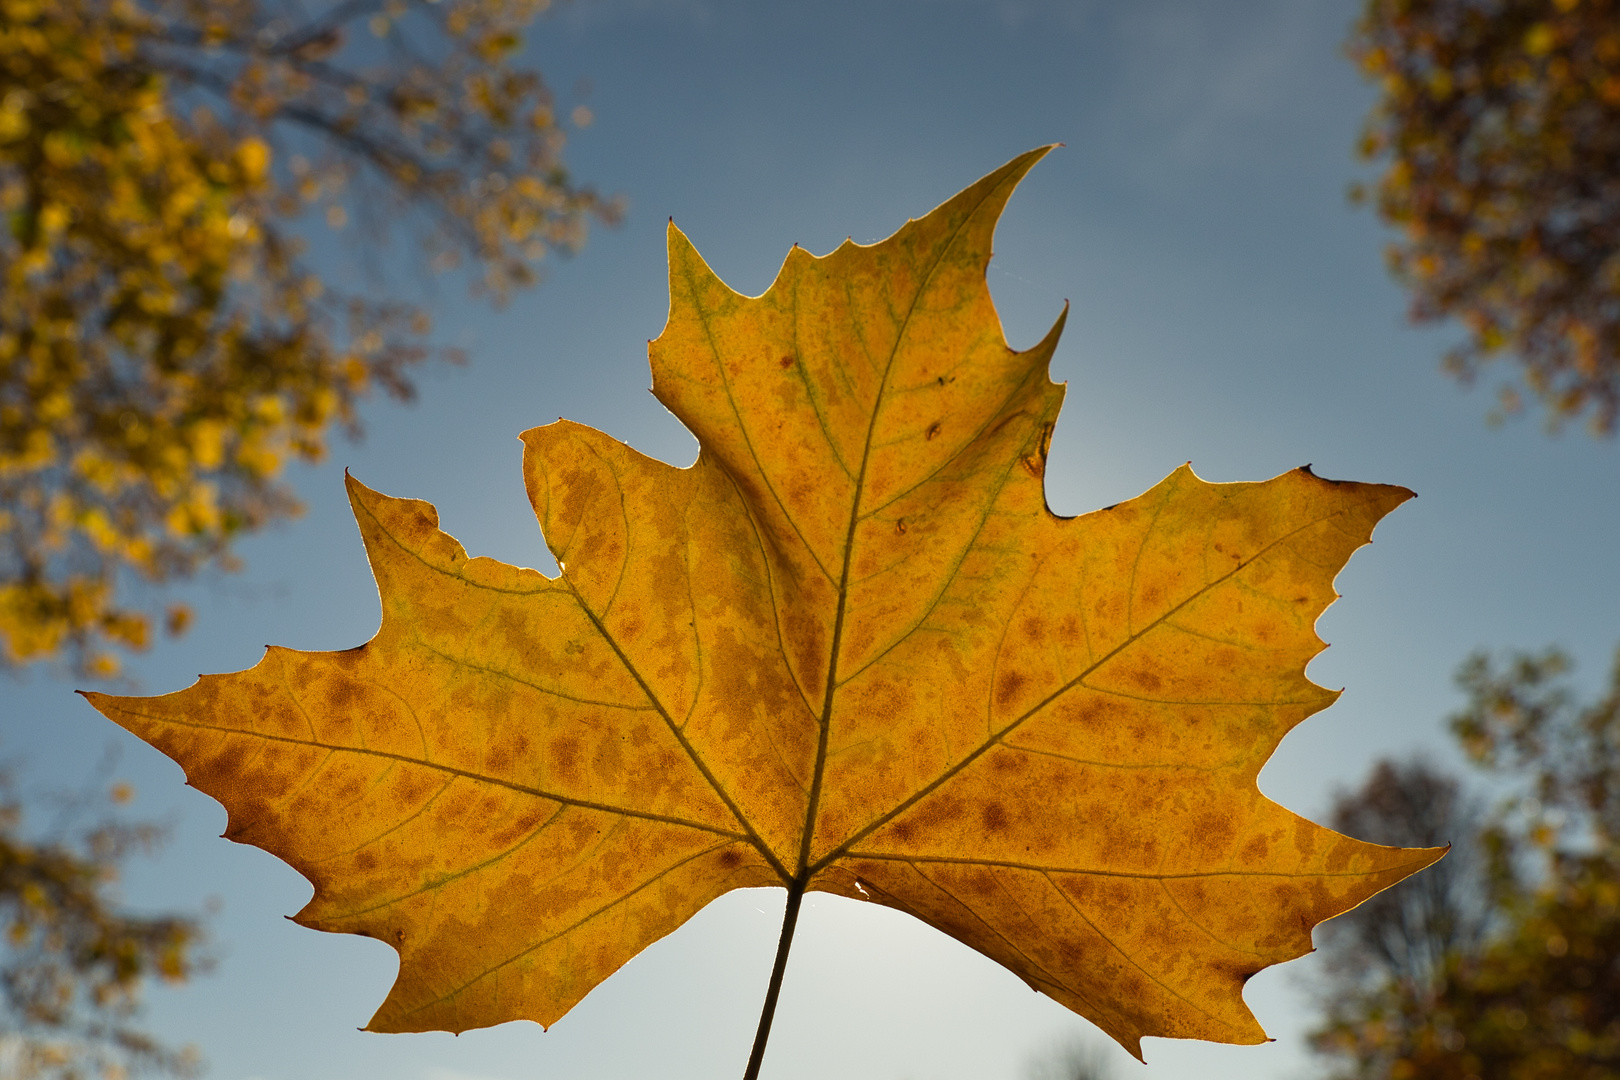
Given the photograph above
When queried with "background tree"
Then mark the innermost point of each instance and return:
(1403, 935)
(73, 961)
(1072, 1058)
(164, 347)
(1393, 949)
(1500, 121)
(1538, 994)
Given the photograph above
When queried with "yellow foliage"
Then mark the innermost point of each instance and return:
(73, 961)
(849, 650)
(1497, 118)
(1530, 990)
(163, 355)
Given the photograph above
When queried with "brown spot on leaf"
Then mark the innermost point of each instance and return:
(565, 756)
(516, 830)
(1146, 679)
(1212, 834)
(499, 758)
(994, 816)
(340, 694)
(1005, 762)
(938, 810)
(1008, 688)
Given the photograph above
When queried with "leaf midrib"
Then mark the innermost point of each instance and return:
(813, 806)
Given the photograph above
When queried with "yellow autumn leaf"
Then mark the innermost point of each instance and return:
(849, 650)
(253, 154)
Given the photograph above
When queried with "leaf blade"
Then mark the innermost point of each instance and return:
(851, 648)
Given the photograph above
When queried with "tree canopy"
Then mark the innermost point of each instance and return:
(73, 960)
(1500, 123)
(165, 345)
(1532, 990)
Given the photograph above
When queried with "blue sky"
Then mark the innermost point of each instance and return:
(1229, 308)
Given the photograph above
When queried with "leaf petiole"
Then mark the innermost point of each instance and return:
(790, 919)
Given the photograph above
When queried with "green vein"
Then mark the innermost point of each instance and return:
(536, 687)
(547, 584)
(449, 770)
(1116, 765)
(813, 806)
(1131, 959)
(698, 763)
(398, 825)
(624, 516)
(1217, 939)
(996, 419)
(995, 931)
(1246, 646)
(1143, 875)
(433, 887)
(1136, 563)
(812, 391)
(1078, 680)
(947, 579)
(565, 931)
(742, 429)
(771, 587)
(1173, 701)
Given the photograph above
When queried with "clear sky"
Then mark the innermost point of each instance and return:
(1229, 308)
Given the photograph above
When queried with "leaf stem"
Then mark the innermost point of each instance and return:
(790, 919)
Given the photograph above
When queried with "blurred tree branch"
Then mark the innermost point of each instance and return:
(73, 962)
(1531, 991)
(1500, 122)
(1072, 1058)
(165, 349)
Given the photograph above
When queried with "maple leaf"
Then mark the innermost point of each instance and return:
(850, 650)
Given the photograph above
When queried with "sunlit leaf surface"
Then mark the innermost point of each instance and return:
(849, 649)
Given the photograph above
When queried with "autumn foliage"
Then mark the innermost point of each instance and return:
(849, 650)
(1500, 123)
(164, 349)
(73, 959)
(1530, 989)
